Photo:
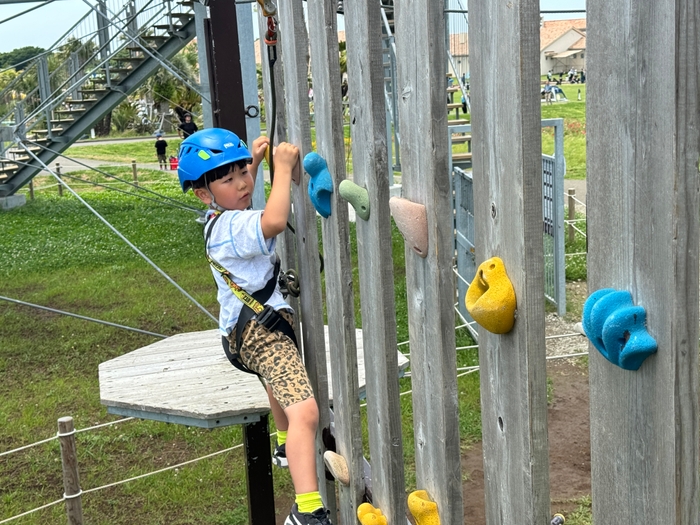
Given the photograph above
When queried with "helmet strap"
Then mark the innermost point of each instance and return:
(213, 205)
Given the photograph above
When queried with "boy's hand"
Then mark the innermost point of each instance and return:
(258, 150)
(286, 156)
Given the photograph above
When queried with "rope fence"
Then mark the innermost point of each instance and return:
(73, 502)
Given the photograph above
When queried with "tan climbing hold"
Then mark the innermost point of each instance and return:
(412, 221)
(422, 508)
(490, 299)
(337, 466)
(369, 515)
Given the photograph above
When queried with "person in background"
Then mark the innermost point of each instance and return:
(161, 147)
(187, 128)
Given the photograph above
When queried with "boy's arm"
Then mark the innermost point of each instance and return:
(276, 213)
(258, 153)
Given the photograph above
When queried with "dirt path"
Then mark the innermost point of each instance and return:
(569, 447)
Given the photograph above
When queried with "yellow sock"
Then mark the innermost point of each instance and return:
(309, 502)
(281, 437)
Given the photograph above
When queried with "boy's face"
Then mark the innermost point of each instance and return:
(232, 192)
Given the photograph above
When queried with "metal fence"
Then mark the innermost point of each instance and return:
(553, 169)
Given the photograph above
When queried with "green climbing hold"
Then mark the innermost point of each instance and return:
(357, 196)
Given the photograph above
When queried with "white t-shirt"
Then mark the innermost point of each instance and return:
(237, 243)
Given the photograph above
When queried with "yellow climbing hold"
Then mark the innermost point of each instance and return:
(423, 509)
(490, 298)
(369, 515)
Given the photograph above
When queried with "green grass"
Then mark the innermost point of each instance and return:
(574, 115)
(576, 266)
(140, 151)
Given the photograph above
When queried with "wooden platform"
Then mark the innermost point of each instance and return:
(187, 379)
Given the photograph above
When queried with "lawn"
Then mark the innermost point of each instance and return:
(54, 252)
(140, 151)
(573, 112)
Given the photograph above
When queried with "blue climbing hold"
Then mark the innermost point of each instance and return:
(617, 328)
(320, 183)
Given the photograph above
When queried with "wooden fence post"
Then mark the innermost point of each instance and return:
(338, 263)
(371, 161)
(643, 122)
(295, 49)
(426, 180)
(71, 478)
(572, 213)
(60, 186)
(31, 189)
(506, 130)
(134, 171)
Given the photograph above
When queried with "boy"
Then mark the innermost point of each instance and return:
(221, 170)
(161, 146)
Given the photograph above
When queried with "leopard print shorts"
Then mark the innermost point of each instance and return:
(275, 357)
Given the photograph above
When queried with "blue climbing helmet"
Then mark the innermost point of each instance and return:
(206, 150)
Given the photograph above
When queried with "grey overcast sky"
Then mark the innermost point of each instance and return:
(43, 26)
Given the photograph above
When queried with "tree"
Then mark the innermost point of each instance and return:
(124, 116)
(19, 58)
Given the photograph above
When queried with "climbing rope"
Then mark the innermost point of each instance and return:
(85, 318)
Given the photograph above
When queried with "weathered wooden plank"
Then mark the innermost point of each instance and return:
(202, 385)
(421, 59)
(330, 143)
(507, 167)
(295, 45)
(643, 120)
(370, 165)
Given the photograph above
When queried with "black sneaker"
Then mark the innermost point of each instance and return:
(279, 456)
(318, 517)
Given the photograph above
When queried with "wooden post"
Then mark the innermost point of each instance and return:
(228, 104)
(340, 305)
(134, 171)
(295, 51)
(31, 189)
(371, 161)
(60, 186)
(71, 478)
(642, 213)
(261, 494)
(572, 213)
(507, 160)
(421, 59)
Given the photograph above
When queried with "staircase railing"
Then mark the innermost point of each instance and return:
(88, 59)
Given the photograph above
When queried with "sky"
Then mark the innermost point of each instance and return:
(43, 26)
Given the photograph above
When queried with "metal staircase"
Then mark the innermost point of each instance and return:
(63, 93)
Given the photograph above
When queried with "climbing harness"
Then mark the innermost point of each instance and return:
(253, 305)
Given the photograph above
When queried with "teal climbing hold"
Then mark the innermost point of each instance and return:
(320, 183)
(357, 196)
(617, 328)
